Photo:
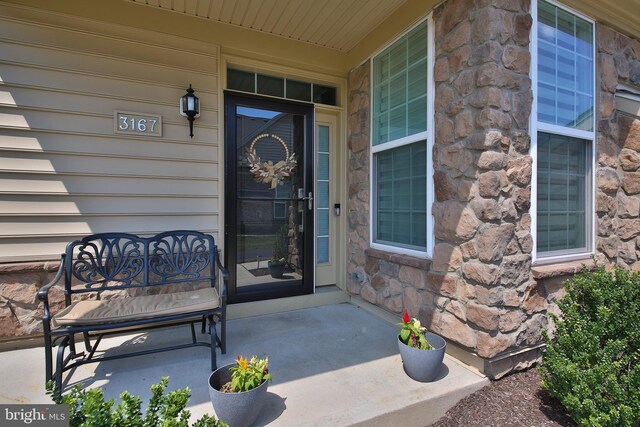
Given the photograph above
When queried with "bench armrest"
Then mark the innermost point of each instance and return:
(43, 293)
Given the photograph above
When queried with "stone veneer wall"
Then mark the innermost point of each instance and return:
(358, 107)
(483, 180)
(480, 290)
(20, 309)
(618, 152)
(617, 167)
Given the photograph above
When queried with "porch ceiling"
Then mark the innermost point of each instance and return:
(335, 24)
(620, 14)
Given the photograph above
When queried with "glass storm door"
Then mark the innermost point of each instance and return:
(269, 198)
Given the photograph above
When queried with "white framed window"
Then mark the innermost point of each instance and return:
(280, 210)
(401, 143)
(562, 132)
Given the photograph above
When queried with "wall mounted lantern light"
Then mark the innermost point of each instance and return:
(190, 108)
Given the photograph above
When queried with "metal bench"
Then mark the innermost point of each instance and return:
(118, 281)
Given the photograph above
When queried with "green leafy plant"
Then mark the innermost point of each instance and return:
(247, 374)
(276, 261)
(280, 245)
(412, 333)
(87, 408)
(592, 364)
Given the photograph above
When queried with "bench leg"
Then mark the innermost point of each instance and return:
(214, 341)
(223, 332)
(193, 333)
(60, 364)
(72, 345)
(48, 357)
(87, 342)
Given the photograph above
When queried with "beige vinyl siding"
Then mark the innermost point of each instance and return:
(64, 172)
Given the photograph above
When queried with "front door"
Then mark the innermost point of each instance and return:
(269, 197)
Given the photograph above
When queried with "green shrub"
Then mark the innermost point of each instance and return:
(87, 408)
(592, 364)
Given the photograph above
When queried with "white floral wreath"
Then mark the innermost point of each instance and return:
(267, 172)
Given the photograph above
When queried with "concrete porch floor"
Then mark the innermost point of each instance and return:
(333, 365)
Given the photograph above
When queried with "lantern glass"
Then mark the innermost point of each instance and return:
(190, 104)
(196, 106)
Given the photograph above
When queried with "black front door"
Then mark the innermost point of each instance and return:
(268, 198)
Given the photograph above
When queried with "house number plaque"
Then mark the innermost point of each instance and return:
(137, 123)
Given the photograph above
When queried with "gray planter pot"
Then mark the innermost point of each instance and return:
(423, 365)
(236, 409)
(276, 270)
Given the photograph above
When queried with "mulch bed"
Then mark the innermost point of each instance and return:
(515, 400)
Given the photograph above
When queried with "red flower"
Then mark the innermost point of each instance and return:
(406, 318)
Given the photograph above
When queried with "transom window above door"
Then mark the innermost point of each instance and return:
(281, 87)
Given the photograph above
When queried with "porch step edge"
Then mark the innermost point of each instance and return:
(425, 412)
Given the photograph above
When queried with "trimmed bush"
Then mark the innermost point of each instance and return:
(592, 365)
(87, 408)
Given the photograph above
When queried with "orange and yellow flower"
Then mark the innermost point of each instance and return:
(242, 362)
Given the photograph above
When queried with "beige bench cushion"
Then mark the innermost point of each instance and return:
(134, 308)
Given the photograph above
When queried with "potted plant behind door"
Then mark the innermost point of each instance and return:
(278, 262)
(422, 352)
(238, 390)
(276, 266)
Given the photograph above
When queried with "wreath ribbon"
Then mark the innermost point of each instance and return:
(268, 172)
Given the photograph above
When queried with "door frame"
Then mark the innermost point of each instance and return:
(231, 100)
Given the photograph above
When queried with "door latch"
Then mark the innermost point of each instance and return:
(309, 197)
(309, 200)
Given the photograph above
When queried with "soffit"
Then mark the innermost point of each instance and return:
(623, 15)
(335, 24)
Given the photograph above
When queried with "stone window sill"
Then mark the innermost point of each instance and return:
(561, 268)
(401, 259)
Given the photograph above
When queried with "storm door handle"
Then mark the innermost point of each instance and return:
(309, 200)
